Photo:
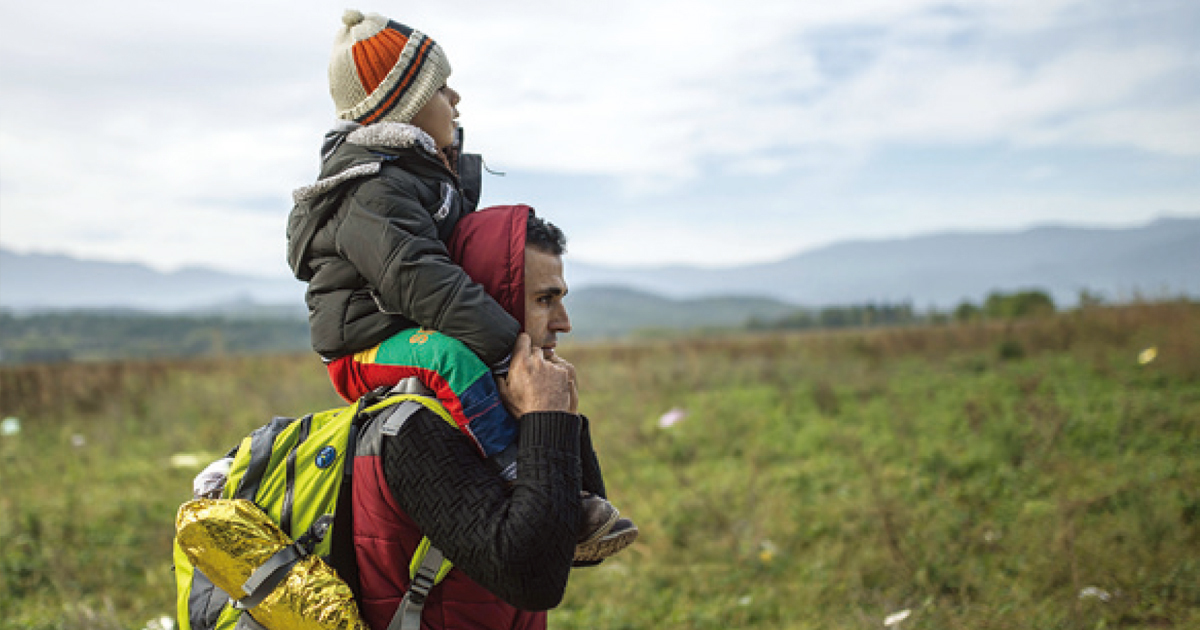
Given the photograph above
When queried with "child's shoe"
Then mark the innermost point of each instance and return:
(622, 534)
(596, 517)
(602, 531)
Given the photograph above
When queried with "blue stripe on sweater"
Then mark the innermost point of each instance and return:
(487, 418)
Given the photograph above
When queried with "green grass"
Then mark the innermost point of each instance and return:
(980, 476)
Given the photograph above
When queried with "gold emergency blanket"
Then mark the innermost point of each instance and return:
(228, 539)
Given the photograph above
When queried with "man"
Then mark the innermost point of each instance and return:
(512, 545)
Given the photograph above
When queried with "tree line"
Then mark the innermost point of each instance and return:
(89, 335)
(997, 305)
(99, 335)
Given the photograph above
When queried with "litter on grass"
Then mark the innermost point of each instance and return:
(162, 623)
(189, 460)
(671, 418)
(895, 618)
(767, 551)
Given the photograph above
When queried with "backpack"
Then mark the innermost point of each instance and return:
(267, 548)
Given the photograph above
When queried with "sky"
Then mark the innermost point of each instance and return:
(653, 131)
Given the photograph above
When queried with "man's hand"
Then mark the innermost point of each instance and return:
(561, 362)
(533, 383)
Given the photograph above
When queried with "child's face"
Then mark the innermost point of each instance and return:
(436, 118)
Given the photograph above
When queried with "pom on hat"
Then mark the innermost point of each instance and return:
(383, 70)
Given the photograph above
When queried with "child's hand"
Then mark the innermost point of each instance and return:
(533, 383)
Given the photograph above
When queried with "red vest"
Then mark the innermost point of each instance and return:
(385, 539)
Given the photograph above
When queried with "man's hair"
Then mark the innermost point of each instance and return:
(544, 236)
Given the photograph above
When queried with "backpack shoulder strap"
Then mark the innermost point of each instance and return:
(429, 566)
(432, 568)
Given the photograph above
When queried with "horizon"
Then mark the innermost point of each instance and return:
(571, 259)
(173, 137)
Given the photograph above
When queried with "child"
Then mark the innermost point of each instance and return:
(369, 238)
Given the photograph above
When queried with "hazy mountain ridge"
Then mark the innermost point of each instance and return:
(31, 282)
(937, 269)
(945, 268)
(598, 311)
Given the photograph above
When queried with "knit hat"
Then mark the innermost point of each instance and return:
(383, 70)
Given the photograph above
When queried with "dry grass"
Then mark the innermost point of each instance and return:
(980, 475)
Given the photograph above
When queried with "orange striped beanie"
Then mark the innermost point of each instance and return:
(383, 70)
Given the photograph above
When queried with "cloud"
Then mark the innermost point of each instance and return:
(922, 98)
(1168, 131)
(643, 99)
(132, 130)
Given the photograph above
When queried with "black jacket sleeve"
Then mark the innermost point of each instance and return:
(517, 542)
(392, 241)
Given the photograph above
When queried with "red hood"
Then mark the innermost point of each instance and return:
(489, 245)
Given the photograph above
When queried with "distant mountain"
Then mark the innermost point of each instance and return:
(1162, 257)
(939, 270)
(31, 282)
(616, 311)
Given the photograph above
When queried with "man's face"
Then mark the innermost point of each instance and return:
(545, 314)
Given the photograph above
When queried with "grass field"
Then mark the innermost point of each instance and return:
(1030, 474)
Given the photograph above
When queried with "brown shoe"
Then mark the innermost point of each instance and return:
(619, 536)
(596, 518)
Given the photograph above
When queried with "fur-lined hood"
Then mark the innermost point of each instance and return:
(351, 152)
(382, 135)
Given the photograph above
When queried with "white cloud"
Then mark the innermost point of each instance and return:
(645, 98)
(1169, 131)
(172, 195)
(924, 98)
(163, 134)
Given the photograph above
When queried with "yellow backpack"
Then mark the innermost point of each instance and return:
(265, 546)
